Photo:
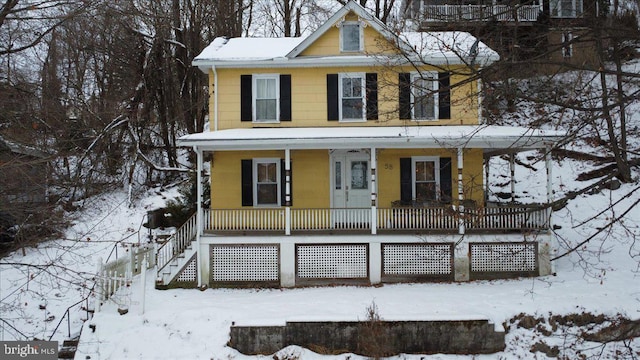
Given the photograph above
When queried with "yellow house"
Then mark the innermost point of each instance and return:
(353, 155)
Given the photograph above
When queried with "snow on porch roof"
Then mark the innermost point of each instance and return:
(460, 136)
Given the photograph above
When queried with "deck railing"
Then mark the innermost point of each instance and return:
(177, 243)
(447, 13)
(445, 218)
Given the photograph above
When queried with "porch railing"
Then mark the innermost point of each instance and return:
(445, 13)
(177, 243)
(434, 218)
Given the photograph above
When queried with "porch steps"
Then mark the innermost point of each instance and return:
(167, 274)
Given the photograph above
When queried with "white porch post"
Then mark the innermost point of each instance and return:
(374, 194)
(460, 192)
(512, 169)
(287, 191)
(199, 213)
(548, 166)
(487, 169)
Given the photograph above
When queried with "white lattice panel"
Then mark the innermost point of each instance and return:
(495, 257)
(244, 263)
(348, 261)
(189, 272)
(417, 259)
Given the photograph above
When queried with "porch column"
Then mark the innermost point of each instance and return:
(547, 163)
(512, 169)
(199, 212)
(287, 191)
(460, 192)
(487, 168)
(374, 195)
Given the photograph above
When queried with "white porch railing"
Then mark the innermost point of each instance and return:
(177, 243)
(435, 218)
(445, 13)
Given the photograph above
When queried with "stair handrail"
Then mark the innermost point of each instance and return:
(177, 242)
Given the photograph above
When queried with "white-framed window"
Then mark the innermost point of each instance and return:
(352, 99)
(266, 98)
(351, 36)
(425, 177)
(565, 8)
(424, 96)
(266, 182)
(567, 44)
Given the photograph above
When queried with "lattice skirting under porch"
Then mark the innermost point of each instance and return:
(416, 262)
(245, 264)
(329, 262)
(500, 260)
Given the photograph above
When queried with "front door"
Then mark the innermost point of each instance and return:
(351, 180)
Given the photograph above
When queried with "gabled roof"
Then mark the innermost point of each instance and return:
(435, 48)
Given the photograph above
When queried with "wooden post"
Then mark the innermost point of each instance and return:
(512, 169)
(461, 229)
(287, 191)
(199, 211)
(374, 194)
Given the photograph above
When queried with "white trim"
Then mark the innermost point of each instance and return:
(436, 165)
(363, 87)
(254, 97)
(254, 181)
(428, 76)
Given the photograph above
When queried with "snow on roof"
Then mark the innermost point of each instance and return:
(481, 136)
(223, 49)
(450, 44)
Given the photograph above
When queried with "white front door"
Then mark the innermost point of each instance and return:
(351, 180)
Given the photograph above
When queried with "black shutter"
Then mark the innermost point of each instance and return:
(372, 96)
(285, 97)
(332, 97)
(404, 95)
(446, 182)
(283, 185)
(444, 95)
(247, 182)
(246, 102)
(406, 185)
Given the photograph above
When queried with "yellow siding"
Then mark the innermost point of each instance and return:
(311, 176)
(309, 98)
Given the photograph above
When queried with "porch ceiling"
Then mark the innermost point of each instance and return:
(486, 137)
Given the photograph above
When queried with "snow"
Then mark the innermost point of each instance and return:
(248, 48)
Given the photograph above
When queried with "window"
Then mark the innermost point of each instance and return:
(351, 36)
(566, 8)
(567, 47)
(424, 96)
(426, 175)
(266, 176)
(266, 98)
(352, 100)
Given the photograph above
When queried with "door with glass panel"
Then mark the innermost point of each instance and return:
(351, 188)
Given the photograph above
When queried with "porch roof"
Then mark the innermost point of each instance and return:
(488, 137)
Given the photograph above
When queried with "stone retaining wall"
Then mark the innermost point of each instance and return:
(372, 338)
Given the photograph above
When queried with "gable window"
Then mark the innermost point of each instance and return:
(351, 37)
(567, 47)
(565, 8)
(426, 175)
(265, 98)
(424, 96)
(266, 176)
(352, 100)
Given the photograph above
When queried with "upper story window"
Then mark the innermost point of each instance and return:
(352, 99)
(265, 99)
(566, 8)
(351, 37)
(424, 95)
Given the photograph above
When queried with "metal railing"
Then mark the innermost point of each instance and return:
(447, 13)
